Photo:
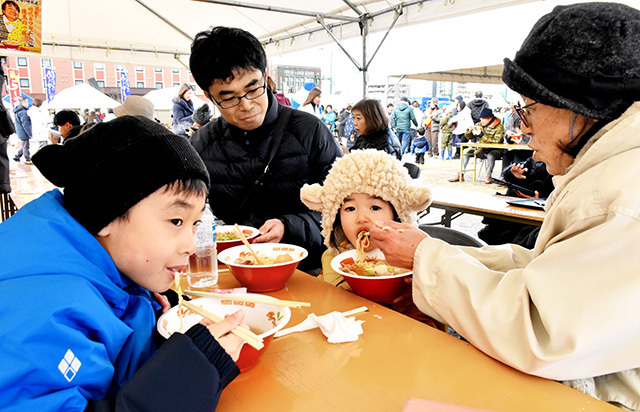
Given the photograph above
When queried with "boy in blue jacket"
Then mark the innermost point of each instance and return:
(79, 270)
(420, 145)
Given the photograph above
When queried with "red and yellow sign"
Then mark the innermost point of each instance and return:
(21, 25)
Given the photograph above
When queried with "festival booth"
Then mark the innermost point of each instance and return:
(82, 97)
(162, 102)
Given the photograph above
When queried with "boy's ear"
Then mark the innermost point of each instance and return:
(311, 195)
(105, 231)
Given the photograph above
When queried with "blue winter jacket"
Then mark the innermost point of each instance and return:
(182, 112)
(75, 330)
(23, 123)
(420, 144)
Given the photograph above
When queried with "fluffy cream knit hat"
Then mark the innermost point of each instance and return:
(370, 171)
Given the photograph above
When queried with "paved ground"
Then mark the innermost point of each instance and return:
(436, 172)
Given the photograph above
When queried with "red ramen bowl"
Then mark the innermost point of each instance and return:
(263, 278)
(263, 319)
(226, 231)
(381, 289)
(11, 44)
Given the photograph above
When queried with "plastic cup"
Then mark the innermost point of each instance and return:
(203, 268)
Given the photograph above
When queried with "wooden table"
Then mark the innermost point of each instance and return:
(396, 358)
(458, 201)
(474, 145)
(27, 183)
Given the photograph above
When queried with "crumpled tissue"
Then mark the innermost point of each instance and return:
(335, 326)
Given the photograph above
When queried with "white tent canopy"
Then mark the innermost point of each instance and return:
(159, 32)
(161, 98)
(80, 97)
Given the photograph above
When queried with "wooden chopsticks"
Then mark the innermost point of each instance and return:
(251, 338)
(249, 298)
(246, 243)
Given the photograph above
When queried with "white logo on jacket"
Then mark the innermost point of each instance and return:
(69, 365)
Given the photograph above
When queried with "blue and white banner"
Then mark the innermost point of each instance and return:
(50, 82)
(124, 85)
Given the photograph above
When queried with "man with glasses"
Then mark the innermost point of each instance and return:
(259, 153)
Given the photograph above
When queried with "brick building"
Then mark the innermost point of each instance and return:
(105, 75)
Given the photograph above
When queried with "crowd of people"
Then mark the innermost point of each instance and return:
(91, 262)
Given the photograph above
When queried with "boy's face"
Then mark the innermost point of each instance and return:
(156, 238)
(360, 211)
(249, 114)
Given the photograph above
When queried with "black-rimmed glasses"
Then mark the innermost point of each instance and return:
(523, 111)
(234, 101)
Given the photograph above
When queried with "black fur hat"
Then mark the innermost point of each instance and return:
(114, 165)
(583, 57)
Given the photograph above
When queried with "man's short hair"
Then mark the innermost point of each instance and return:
(478, 94)
(221, 52)
(6, 3)
(66, 116)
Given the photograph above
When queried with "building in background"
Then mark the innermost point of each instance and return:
(289, 79)
(105, 76)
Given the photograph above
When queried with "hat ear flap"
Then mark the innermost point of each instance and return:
(52, 161)
(419, 197)
(311, 196)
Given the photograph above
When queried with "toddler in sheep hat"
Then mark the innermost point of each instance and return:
(361, 188)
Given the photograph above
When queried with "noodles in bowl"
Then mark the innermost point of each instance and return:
(369, 274)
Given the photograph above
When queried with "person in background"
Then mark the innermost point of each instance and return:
(99, 115)
(135, 106)
(372, 125)
(330, 117)
(446, 133)
(390, 108)
(401, 121)
(515, 137)
(39, 123)
(476, 106)
(420, 145)
(489, 130)
(201, 116)
(182, 110)
(280, 97)
(109, 116)
(104, 252)
(341, 120)
(23, 129)
(529, 175)
(565, 310)
(6, 129)
(462, 122)
(419, 115)
(68, 124)
(312, 103)
(432, 124)
(350, 131)
(259, 153)
(353, 197)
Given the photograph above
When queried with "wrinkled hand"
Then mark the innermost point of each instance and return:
(221, 332)
(519, 193)
(398, 246)
(518, 170)
(272, 231)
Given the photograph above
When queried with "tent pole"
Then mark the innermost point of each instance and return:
(364, 25)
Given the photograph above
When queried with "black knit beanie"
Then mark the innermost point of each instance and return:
(114, 165)
(583, 57)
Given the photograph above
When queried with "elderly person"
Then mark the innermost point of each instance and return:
(566, 309)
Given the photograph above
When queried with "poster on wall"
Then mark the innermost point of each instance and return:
(21, 25)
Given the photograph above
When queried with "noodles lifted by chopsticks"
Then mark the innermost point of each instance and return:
(362, 243)
(364, 265)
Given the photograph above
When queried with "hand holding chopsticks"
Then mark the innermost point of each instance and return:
(246, 243)
(249, 298)
(243, 333)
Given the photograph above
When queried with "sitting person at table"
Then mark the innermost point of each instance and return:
(558, 311)
(488, 130)
(515, 136)
(372, 125)
(259, 153)
(84, 267)
(361, 188)
(529, 175)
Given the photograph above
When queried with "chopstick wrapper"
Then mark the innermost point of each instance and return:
(335, 326)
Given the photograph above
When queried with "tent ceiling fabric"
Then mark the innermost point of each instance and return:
(158, 32)
(484, 74)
